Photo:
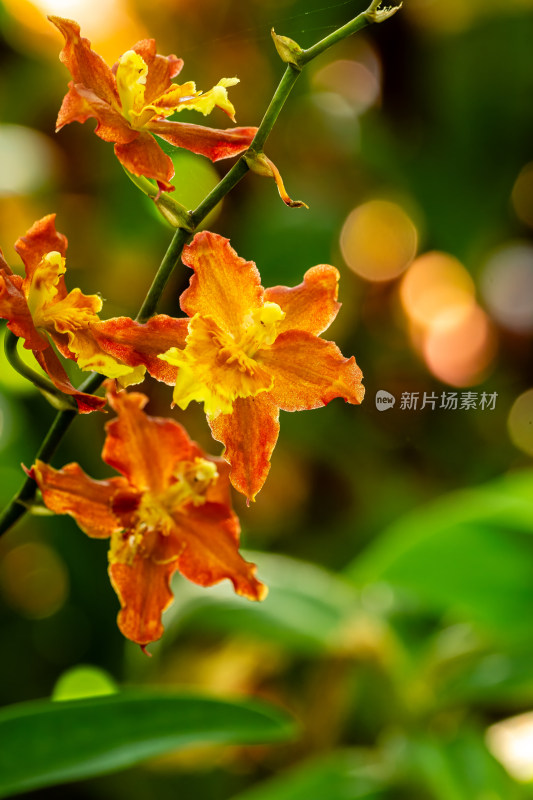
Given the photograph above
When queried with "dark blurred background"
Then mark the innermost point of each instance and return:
(397, 543)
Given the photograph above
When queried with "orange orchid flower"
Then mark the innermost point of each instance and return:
(132, 100)
(247, 352)
(170, 511)
(39, 306)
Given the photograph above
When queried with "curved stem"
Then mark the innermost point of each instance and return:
(19, 505)
(57, 398)
(23, 499)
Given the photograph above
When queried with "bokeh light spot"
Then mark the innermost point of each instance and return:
(84, 681)
(111, 25)
(437, 289)
(507, 286)
(378, 240)
(522, 195)
(28, 160)
(520, 422)
(450, 16)
(195, 178)
(12, 380)
(511, 742)
(34, 580)
(460, 353)
(354, 82)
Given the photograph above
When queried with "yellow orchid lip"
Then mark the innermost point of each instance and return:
(217, 367)
(192, 480)
(131, 79)
(55, 310)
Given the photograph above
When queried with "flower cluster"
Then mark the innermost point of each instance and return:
(131, 103)
(243, 351)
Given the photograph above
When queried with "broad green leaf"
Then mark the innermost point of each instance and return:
(487, 679)
(341, 776)
(306, 608)
(469, 552)
(45, 743)
(460, 768)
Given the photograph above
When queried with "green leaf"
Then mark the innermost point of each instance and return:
(341, 776)
(45, 743)
(306, 609)
(460, 768)
(469, 552)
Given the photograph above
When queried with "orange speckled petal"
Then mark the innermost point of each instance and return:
(214, 143)
(312, 305)
(209, 539)
(71, 491)
(224, 286)
(80, 104)
(143, 588)
(143, 156)
(161, 69)
(249, 435)
(136, 343)
(144, 449)
(42, 238)
(85, 66)
(309, 372)
(14, 308)
(51, 364)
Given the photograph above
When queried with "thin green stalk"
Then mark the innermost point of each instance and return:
(23, 499)
(57, 398)
(21, 502)
(169, 262)
(367, 17)
(228, 182)
(290, 76)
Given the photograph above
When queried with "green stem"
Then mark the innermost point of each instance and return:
(169, 262)
(290, 76)
(21, 502)
(23, 499)
(367, 17)
(56, 397)
(317, 49)
(228, 182)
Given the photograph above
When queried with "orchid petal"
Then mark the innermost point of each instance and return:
(224, 286)
(143, 156)
(146, 450)
(214, 143)
(137, 344)
(83, 63)
(309, 372)
(71, 491)
(312, 305)
(209, 536)
(249, 435)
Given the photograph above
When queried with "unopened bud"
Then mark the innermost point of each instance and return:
(289, 51)
(174, 212)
